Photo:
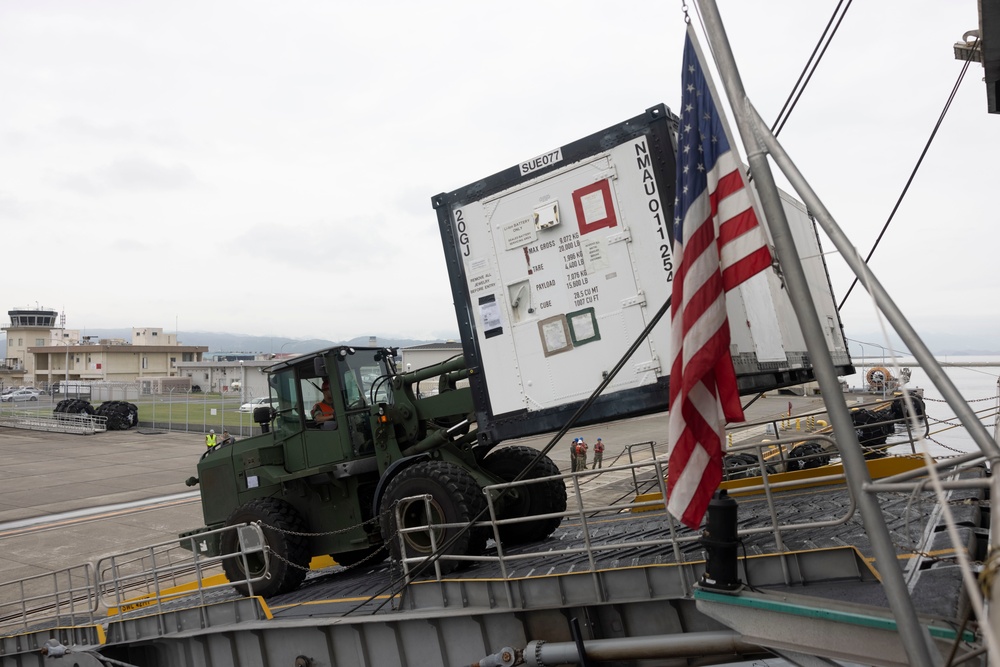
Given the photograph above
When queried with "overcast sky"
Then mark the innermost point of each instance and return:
(267, 168)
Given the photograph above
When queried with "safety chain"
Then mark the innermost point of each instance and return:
(971, 400)
(329, 532)
(346, 567)
(958, 452)
(945, 421)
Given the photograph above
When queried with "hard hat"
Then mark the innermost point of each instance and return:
(211, 430)
(599, 440)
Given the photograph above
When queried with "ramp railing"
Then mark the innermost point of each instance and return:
(62, 598)
(151, 576)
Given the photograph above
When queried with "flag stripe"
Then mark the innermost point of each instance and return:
(718, 243)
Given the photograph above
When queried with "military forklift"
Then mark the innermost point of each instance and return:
(331, 488)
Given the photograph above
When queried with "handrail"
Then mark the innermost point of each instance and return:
(63, 597)
(150, 576)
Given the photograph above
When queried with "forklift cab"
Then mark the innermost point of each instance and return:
(358, 379)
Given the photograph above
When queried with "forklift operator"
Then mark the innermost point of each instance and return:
(323, 411)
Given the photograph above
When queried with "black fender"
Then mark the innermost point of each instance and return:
(394, 469)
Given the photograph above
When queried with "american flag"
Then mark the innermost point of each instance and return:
(718, 244)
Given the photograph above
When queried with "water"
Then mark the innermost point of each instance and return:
(977, 384)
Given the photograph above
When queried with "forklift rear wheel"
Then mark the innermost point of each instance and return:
(542, 498)
(285, 569)
(456, 498)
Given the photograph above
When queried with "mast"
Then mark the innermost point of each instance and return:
(914, 637)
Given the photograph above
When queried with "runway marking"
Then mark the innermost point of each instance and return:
(52, 522)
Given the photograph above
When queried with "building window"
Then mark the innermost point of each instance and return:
(40, 342)
(20, 342)
(154, 333)
(173, 361)
(206, 376)
(145, 362)
(188, 356)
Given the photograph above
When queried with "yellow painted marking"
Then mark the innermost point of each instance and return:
(334, 600)
(169, 593)
(877, 468)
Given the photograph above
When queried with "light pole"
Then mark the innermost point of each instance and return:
(243, 383)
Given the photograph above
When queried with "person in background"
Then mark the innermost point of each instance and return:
(226, 439)
(323, 411)
(598, 454)
(581, 454)
(210, 439)
(572, 454)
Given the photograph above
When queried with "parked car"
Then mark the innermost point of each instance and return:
(263, 401)
(20, 395)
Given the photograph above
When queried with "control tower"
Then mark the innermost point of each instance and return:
(29, 327)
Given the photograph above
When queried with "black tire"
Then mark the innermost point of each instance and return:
(288, 551)
(807, 456)
(456, 498)
(33, 398)
(79, 406)
(541, 498)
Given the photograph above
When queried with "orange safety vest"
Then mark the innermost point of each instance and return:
(323, 408)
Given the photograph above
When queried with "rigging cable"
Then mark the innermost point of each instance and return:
(810, 66)
(909, 181)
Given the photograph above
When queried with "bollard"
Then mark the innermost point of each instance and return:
(720, 540)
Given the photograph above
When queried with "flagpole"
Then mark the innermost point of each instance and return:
(914, 637)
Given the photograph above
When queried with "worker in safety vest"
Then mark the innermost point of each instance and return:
(210, 439)
(323, 411)
(598, 454)
(581, 454)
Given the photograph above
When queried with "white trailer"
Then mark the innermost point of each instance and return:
(560, 262)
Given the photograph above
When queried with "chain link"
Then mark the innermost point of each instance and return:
(950, 449)
(329, 532)
(971, 400)
(346, 567)
(323, 534)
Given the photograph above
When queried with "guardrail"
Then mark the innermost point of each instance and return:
(80, 424)
(767, 480)
(151, 576)
(139, 579)
(62, 598)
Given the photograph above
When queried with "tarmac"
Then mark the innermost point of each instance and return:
(58, 492)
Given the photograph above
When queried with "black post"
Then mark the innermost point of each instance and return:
(721, 541)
